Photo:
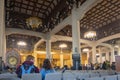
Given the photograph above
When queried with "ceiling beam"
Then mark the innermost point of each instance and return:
(38, 43)
(108, 38)
(106, 45)
(10, 31)
(60, 26)
(66, 38)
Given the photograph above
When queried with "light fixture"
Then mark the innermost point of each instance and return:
(116, 46)
(85, 50)
(21, 43)
(62, 46)
(90, 34)
(34, 22)
(97, 54)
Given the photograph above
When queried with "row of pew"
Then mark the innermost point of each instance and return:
(67, 75)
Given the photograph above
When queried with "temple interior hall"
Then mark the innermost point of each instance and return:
(69, 33)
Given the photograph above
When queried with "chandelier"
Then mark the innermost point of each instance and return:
(90, 34)
(33, 22)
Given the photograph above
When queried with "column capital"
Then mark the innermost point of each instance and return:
(48, 49)
(48, 36)
(93, 46)
(74, 9)
(112, 48)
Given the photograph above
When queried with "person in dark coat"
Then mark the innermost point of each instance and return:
(104, 65)
(29, 63)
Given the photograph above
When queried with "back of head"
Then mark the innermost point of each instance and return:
(47, 64)
(29, 58)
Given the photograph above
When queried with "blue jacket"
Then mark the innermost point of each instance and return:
(44, 72)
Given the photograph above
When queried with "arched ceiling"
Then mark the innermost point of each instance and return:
(50, 11)
(104, 17)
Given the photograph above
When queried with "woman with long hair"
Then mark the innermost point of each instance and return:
(46, 68)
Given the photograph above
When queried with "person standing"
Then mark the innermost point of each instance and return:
(27, 67)
(46, 68)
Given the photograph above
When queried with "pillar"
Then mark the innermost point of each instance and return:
(75, 40)
(88, 57)
(119, 51)
(100, 55)
(94, 54)
(112, 55)
(35, 56)
(107, 56)
(61, 60)
(2, 31)
(48, 47)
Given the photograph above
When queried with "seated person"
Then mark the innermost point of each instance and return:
(27, 67)
(46, 68)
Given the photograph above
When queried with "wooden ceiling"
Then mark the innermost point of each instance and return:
(50, 11)
(104, 18)
(102, 14)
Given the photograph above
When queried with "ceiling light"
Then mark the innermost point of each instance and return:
(116, 46)
(90, 34)
(63, 45)
(22, 43)
(13, 40)
(97, 54)
(85, 50)
(33, 22)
